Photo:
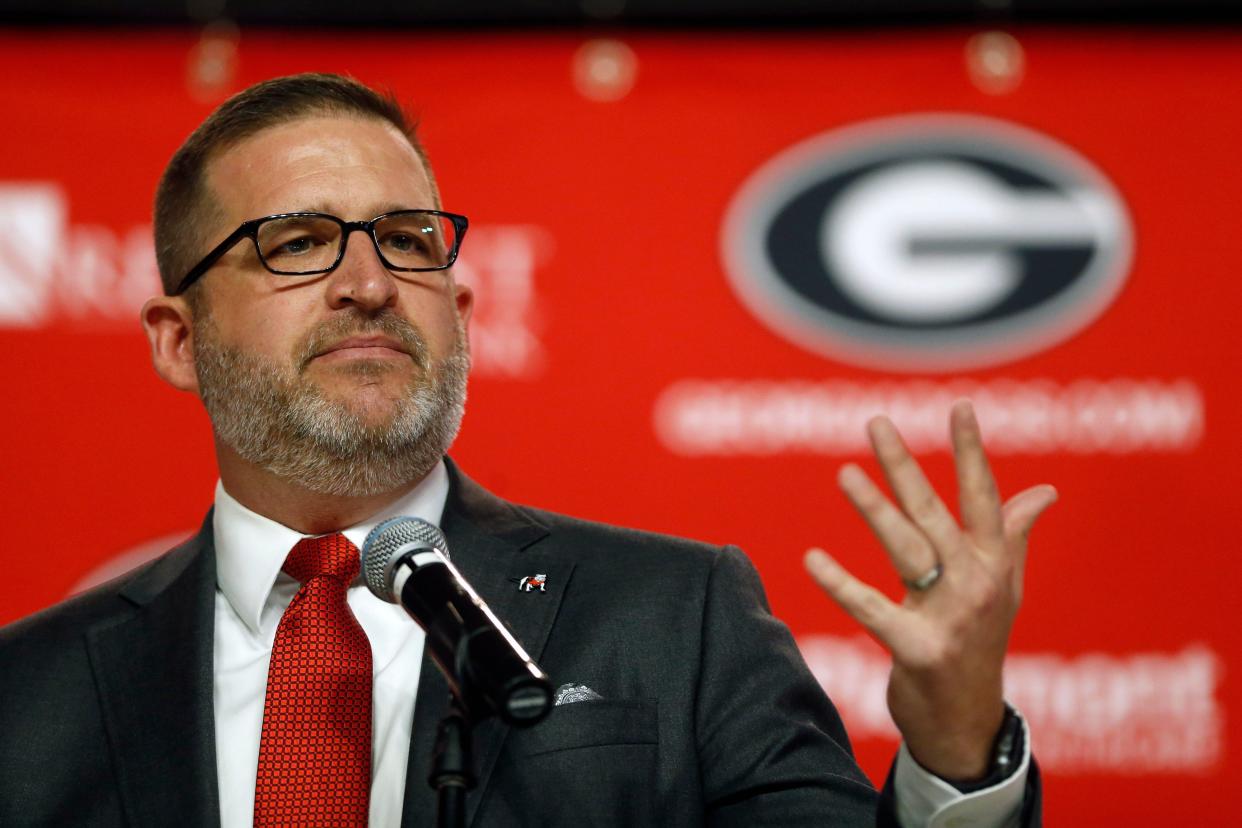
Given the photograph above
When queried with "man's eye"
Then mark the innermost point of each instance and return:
(404, 243)
(295, 247)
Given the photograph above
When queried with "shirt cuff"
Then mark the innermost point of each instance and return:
(924, 800)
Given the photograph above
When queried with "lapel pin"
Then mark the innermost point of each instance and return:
(532, 583)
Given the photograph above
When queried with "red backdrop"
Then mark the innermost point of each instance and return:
(598, 177)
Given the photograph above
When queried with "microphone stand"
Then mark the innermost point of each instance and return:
(451, 774)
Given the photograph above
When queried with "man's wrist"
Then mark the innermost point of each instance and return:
(923, 798)
(1007, 751)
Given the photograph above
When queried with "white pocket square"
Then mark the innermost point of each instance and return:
(570, 693)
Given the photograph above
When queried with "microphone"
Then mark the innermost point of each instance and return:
(405, 561)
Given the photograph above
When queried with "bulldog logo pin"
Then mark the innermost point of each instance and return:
(532, 583)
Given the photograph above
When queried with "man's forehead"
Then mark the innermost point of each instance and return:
(313, 162)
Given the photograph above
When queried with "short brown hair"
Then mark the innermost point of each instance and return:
(183, 205)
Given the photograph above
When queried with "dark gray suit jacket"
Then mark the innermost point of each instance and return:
(708, 715)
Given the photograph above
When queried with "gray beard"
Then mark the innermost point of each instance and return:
(275, 418)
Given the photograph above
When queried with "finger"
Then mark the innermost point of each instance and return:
(977, 496)
(1022, 510)
(917, 498)
(906, 546)
(865, 604)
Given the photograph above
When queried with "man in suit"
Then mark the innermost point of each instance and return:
(334, 375)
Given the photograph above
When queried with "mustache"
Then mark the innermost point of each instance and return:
(358, 323)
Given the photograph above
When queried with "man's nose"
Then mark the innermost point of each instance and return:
(361, 279)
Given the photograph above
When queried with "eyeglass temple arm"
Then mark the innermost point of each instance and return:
(195, 273)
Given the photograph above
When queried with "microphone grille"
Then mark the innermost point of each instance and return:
(389, 538)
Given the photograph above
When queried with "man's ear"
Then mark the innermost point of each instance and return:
(169, 326)
(464, 298)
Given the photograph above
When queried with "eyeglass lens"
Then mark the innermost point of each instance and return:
(310, 244)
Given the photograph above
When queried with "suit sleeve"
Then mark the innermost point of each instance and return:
(772, 748)
(771, 744)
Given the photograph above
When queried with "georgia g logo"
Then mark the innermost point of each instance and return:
(927, 243)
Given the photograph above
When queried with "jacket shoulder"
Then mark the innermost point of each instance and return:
(70, 617)
(574, 538)
(591, 534)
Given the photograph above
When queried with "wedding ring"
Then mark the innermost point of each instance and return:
(927, 580)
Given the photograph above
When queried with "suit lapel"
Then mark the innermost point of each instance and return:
(493, 544)
(153, 669)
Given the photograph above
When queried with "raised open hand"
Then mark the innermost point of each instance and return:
(964, 584)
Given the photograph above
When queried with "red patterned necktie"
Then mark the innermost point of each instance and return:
(315, 752)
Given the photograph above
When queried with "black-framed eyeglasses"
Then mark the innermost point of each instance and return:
(303, 244)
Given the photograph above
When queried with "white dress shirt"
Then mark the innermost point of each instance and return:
(252, 594)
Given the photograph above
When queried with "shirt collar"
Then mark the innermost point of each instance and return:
(251, 549)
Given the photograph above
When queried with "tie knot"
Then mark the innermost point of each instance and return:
(331, 555)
